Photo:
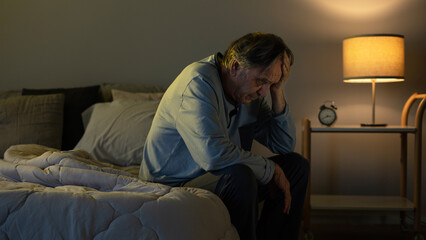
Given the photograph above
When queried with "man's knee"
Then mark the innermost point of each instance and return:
(238, 178)
(239, 174)
(298, 159)
(242, 171)
(294, 159)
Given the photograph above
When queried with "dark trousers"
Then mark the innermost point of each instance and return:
(241, 192)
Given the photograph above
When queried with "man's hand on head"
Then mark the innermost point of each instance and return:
(285, 73)
(276, 89)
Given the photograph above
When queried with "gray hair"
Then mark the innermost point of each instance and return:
(256, 49)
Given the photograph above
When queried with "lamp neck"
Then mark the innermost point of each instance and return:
(373, 98)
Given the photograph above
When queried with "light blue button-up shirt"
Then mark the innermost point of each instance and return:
(192, 132)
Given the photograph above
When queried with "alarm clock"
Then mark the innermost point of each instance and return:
(327, 114)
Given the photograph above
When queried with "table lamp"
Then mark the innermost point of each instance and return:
(375, 58)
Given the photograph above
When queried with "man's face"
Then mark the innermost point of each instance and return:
(255, 82)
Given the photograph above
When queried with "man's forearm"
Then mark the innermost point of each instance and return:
(278, 101)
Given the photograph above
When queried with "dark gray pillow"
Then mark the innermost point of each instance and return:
(31, 119)
(76, 101)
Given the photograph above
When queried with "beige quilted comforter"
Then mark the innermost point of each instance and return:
(50, 194)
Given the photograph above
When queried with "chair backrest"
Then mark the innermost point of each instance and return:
(419, 113)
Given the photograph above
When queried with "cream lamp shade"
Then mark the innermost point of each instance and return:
(374, 58)
(377, 57)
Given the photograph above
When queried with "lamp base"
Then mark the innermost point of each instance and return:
(373, 124)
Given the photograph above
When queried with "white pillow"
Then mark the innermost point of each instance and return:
(117, 131)
(120, 94)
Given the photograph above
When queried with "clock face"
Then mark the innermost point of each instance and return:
(327, 116)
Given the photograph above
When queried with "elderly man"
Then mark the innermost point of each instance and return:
(203, 130)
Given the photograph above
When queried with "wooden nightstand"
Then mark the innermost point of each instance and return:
(376, 203)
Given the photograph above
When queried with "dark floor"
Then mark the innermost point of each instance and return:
(363, 232)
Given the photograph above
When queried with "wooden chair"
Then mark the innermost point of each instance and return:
(417, 157)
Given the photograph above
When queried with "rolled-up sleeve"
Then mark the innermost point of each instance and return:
(276, 132)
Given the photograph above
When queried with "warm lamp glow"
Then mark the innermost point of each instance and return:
(357, 9)
(373, 59)
(378, 58)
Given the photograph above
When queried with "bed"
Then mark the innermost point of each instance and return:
(91, 191)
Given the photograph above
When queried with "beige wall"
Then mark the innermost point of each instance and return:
(49, 43)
